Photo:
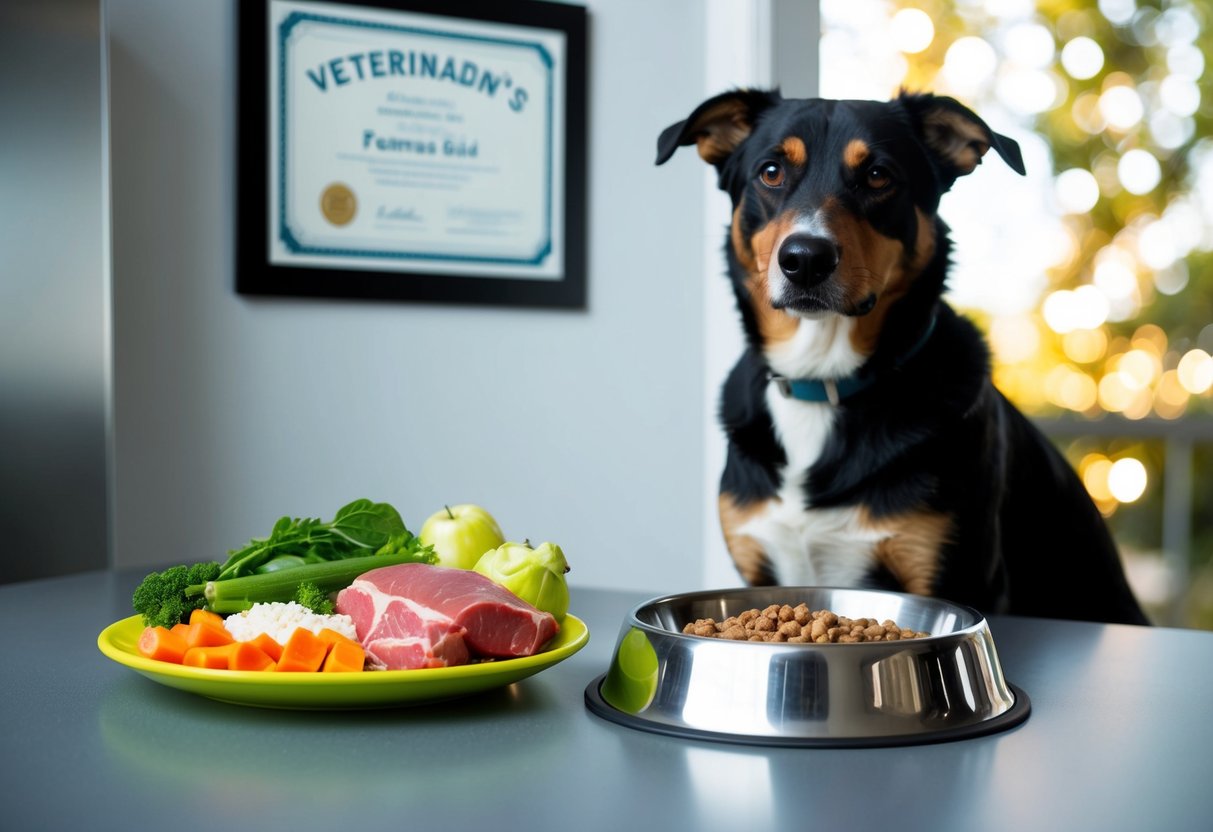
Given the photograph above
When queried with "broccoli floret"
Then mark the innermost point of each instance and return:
(161, 598)
(310, 596)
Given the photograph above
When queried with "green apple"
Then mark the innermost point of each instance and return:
(534, 575)
(461, 534)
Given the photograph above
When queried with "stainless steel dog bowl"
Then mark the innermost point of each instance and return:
(945, 687)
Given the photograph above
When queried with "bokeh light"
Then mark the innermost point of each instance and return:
(1195, 371)
(1179, 95)
(1170, 131)
(1139, 171)
(1014, 338)
(1121, 107)
(1173, 279)
(913, 30)
(1177, 25)
(969, 64)
(1030, 45)
(1087, 115)
(1127, 479)
(1186, 61)
(1085, 346)
(1077, 191)
(1115, 274)
(1170, 397)
(1029, 91)
(1139, 367)
(1119, 12)
(1082, 58)
(1094, 470)
(1156, 245)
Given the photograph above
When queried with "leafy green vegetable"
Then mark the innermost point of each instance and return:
(310, 596)
(406, 543)
(280, 562)
(161, 597)
(360, 528)
(231, 595)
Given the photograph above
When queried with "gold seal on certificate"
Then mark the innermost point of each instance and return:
(338, 204)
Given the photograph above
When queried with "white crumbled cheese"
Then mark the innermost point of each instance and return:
(280, 620)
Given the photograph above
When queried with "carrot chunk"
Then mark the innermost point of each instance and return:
(162, 644)
(304, 652)
(245, 655)
(345, 656)
(204, 634)
(217, 657)
(265, 642)
(180, 629)
(207, 616)
(331, 637)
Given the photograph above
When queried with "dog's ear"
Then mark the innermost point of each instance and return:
(718, 126)
(955, 136)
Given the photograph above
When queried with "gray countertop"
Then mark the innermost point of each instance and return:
(1120, 737)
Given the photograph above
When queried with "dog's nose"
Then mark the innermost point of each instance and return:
(806, 260)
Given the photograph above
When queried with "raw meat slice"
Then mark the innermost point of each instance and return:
(399, 634)
(495, 622)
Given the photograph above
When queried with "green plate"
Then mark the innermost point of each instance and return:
(337, 691)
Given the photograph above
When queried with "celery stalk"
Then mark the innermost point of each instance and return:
(233, 595)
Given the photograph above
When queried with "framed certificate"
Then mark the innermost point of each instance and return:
(412, 149)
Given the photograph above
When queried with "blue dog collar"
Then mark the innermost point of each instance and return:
(820, 390)
(835, 390)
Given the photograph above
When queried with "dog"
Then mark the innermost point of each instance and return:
(867, 444)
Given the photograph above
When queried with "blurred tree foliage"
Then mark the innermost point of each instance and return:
(1142, 358)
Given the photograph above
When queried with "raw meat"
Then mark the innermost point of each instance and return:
(415, 612)
(399, 634)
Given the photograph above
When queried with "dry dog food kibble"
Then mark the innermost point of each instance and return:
(799, 625)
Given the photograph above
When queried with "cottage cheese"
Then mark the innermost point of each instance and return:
(280, 620)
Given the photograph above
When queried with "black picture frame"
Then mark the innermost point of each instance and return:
(257, 274)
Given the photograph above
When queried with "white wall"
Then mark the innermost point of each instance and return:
(585, 428)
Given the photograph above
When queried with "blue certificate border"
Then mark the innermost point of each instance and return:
(285, 233)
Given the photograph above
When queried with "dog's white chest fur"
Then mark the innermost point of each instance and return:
(807, 545)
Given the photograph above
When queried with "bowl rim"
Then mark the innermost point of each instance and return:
(633, 619)
(1016, 715)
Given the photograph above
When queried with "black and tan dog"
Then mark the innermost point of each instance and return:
(867, 445)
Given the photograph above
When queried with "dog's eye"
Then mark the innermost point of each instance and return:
(878, 178)
(772, 174)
